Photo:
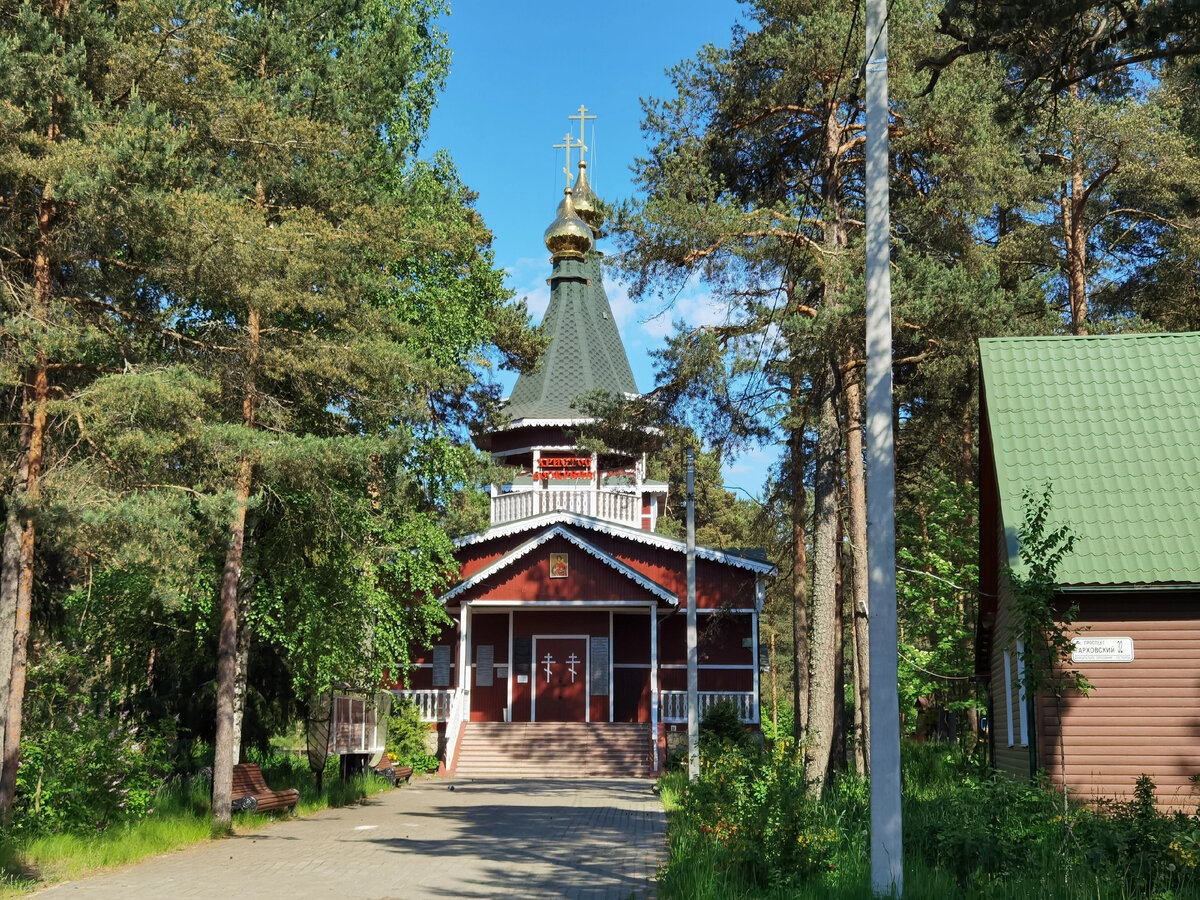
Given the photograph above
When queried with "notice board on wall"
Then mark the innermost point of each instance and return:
(441, 665)
(484, 665)
(522, 655)
(598, 676)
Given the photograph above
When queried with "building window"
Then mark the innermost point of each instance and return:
(1008, 696)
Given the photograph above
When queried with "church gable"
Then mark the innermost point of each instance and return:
(558, 565)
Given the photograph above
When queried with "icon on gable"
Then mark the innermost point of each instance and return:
(558, 565)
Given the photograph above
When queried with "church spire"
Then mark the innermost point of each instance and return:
(585, 353)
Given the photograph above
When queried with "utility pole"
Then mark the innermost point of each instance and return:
(887, 860)
(693, 653)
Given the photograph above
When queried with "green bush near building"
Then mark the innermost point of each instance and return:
(746, 828)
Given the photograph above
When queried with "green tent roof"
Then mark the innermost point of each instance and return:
(585, 352)
(1113, 424)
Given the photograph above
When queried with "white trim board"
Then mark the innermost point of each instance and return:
(558, 531)
(637, 535)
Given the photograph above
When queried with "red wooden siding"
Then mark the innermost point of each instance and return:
(420, 674)
(538, 436)
(488, 703)
(474, 557)
(631, 638)
(675, 679)
(718, 585)
(720, 639)
(588, 578)
(631, 697)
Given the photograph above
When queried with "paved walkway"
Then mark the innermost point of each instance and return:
(599, 839)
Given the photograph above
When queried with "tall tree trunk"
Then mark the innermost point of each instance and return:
(227, 642)
(860, 747)
(799, 556)
(10, 564)
(16, 584)
(245, 598)
(1074, 201)
(822, 649)
(837, 753)
(856, 486)
(223, 749)
(33, 432)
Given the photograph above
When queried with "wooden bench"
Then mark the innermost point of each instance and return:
(251, 794)
(393, 773)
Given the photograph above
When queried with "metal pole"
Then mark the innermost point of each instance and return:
(887, 861)
(693, 656)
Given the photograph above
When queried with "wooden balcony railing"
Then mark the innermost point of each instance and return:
(674, 704)
(434, 704)
(612, 506)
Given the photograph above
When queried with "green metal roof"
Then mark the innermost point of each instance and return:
(585, 352)
(1113, 423)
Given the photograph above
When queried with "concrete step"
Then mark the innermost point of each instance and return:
(553, 749)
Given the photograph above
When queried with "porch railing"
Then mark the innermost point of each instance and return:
(434, 704)
(609, 505)
(454, 722)
(674, 704)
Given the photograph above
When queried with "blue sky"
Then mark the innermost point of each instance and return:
(519, 70)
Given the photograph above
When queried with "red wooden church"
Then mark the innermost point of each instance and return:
(567, 654)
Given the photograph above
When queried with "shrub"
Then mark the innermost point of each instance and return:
(406, 738)
(88, 772)
(752, 804)
(722, 725)
(747, 828)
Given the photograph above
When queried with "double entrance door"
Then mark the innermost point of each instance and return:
(560, 678)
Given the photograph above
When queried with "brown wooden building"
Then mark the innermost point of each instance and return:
(1113, 425)
(567, 653)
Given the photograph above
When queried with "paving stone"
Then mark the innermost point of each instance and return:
(437, 838)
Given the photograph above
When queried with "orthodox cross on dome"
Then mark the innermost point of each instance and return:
(572, 660)
(548, 660)
(569, 144)
(582, 117)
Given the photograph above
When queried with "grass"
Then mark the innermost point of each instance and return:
(746, 829)
(181, 817)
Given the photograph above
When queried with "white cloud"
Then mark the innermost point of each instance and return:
(527, 276)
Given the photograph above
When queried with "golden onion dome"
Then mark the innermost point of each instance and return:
(587, 204)
(568, 236)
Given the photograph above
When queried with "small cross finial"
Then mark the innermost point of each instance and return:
(582, 117)
(569, 144)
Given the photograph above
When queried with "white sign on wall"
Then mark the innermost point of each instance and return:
(1102, 649)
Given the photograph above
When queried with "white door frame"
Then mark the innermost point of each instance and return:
(587, 672)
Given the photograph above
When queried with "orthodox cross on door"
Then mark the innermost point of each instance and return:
(548, 659)
(571, 661)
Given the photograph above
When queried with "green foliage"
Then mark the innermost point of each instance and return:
(787, 720)
(747, 828)
(406, 739)
(246, 261)
(1041, 622)
(751, 805)
(88, 772)
(37, 854)
(87, 763)
(721, 726)
(937, 571)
